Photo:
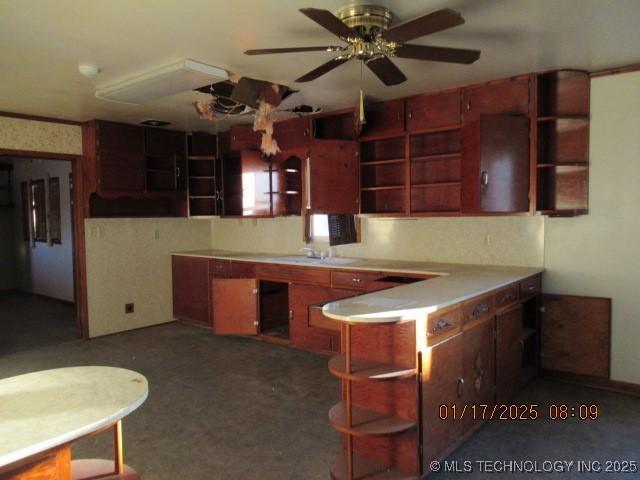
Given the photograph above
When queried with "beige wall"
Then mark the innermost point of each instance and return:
(597, 254)
(22, 134)
(513, 240)
(128, 262)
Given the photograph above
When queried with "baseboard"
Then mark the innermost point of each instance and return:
(593, 382)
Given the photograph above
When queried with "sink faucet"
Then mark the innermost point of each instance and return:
(311, 253)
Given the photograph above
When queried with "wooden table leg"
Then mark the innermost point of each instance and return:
(118, 456)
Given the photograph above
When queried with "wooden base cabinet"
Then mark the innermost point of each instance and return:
(190, 278)
(508, 352)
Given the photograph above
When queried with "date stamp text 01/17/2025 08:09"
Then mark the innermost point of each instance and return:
(518, 412)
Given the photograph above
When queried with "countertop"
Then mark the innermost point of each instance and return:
(47, 409)
(454, 283)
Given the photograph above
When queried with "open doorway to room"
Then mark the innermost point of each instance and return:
(37, 291)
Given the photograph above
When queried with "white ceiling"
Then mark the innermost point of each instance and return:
(42, 43)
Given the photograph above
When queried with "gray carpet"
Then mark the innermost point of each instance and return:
(29, 321)
(226, 408)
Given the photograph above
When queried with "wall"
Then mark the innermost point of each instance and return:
(44, 269)
(597, 254)
(128, 262)
(30, 135)
(517, 240)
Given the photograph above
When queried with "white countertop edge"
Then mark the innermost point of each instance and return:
(70, 436)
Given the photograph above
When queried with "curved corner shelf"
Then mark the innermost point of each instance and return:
(367, 370)
(367, 423)
(365, 469)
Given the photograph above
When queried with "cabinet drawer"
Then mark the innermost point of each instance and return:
(220, 268)
(294, 274)
(318, 320)
(506, 297)
(530, 287)
(477, 309)
(243, 270)
(441, 325)
(354, 280)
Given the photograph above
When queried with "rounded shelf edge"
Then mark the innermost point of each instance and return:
(367, 370)
(367, 423)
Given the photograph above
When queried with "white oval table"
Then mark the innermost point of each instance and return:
(42, 413)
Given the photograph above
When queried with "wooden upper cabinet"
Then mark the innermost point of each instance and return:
(120, 157)
(292, 133)
(190, 280)
(442, 384)
(332, 180)
(161, 142)
(384, 118)
(509, 352)
(495, 164)
(434, 110)
(256, 184)
(235, 306)
(244, 138)
(505, 96)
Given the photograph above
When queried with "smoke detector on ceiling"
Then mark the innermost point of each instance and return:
(88, 70)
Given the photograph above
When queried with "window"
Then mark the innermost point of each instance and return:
(319, 228)
(38, 211)
(55, 231)
(26, 217)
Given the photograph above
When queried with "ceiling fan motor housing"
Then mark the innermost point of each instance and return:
(367, 20)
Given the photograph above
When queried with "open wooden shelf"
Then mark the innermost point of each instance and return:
(367, 423)
(210, 158)
(365, 469)
(382, 162)
(435, 184)
(362, 369)
(563, 164)
(386, 187)
(554, 118)
(435, 157)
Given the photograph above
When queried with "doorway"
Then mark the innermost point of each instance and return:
(37, 283)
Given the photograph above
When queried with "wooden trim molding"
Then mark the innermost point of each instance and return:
(37, 118)
(35, 154)
(593, 382)
(616, 71)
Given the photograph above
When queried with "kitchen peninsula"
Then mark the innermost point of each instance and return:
(406, 337)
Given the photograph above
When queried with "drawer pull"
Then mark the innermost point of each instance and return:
(356, 280)
(531, 288)
(507, 297)
(479, 309)
(460, 387)
(440, 325)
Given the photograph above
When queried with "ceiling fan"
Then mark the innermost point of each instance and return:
(366, 30)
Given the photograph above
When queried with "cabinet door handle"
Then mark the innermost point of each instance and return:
(468, 106)
(484, 178)
(307, 175)
(178, 173)
(291, 314)
(356, 280)
(410, 115)
(460, 387)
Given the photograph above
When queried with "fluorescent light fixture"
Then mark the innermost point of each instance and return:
(178, 77)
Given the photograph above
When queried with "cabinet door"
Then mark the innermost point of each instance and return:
(235, 306)
(436, 110)
(256, 184)
(120, 156)
(508, 352)
(495, 158)
(190, 282)
(479, 367)
(442, 384)
(303, 331)
(332, 177)
(384, 117)
(162, 142)
(244, 138)
(120, 136)
(293, 133)
(508, 96)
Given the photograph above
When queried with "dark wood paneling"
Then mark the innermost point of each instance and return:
(190, 280)
(242, 137)
(292, 133)
(163, 142)
(120, 137)
(235, 306)
(576, 335)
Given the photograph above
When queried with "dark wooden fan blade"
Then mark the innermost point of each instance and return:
(267, 51)
(322, 69)
(437, 54)
(421, 26)
(329, 21)
(386, 71)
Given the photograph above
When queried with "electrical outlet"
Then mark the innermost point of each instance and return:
(488, 239)
(128, 308)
